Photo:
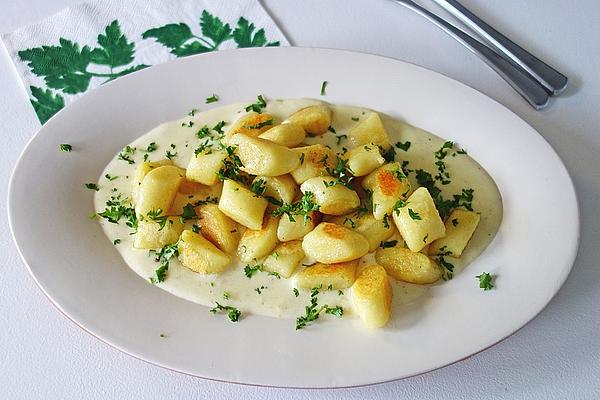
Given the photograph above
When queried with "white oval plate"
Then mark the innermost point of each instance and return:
(71, 260)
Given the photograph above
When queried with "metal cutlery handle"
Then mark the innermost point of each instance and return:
(514, 75)
(550, 78)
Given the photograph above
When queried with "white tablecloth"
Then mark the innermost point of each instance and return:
(556, 356)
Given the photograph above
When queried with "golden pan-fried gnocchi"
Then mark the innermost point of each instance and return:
(299, 227)
(372, 296)
(362, 160)
(158, 189)
(263, 157)
(217, 227)
(194, 193)
(256, 244)
(315, 160)
(200, 255)
(151, 235)
(315, 120)
(321, 207)
(285, 258)
(460, 226)
(242, 205)
(140, 173)
(369, 130)
(418, 221)
(388, 185)
(204, 167)
(282, 188)
(402, 264)
(333, 198)
(251, 124)
(375, 231)
(288, 134)
(330, 243)
(335, 276)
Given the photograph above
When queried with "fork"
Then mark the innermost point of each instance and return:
(515, 75)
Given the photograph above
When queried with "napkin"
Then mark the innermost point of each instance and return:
(84, 46)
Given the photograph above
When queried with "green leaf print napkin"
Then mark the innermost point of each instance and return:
(82, 47)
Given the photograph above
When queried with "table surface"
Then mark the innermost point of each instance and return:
(556, 356)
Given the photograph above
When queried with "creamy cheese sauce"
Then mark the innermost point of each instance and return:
(277, 298)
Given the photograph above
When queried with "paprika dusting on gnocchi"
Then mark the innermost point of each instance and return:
(297, 209)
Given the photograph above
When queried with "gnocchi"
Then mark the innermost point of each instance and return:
(263, 157)
(330, 243)
(372, 296)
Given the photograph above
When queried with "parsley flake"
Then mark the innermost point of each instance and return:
(92, 186)
(258, 106)
(232, 312)
(212, 99)
(65, 147)
(388, 244)
(485, 281)
(414, 215)
(403, 146)
(323, 88)
(126, 154)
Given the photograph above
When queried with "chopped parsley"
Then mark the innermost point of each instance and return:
(313, 310)
(414, 215)
(219, 127)
(156, 216)
(164, 256)
(188, 124)
(65, 147)
(117, 208)
(304, 207)
(388, 244)
(448, 267)
(212, 99)
(195, 228)
(193, 112)
(403, 146)
(331, 129)
(385, 221)
(258, 106)
(116, 241)
(232, 312)
(455, 222)
(341, 172)
(485, 281)
(231, 167)
(399, 204)
(226, 295)
(126, 154)
(275, 274)
(296, 292)
(251, 271)
(188, 212)
(350, 222)
(203, 132)
(260, 289)
(260, 125)
(355, 119)
(111, 177)
(169, 154)
(389, 155)
(151, 147)
(92, 186)
(323, 88)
